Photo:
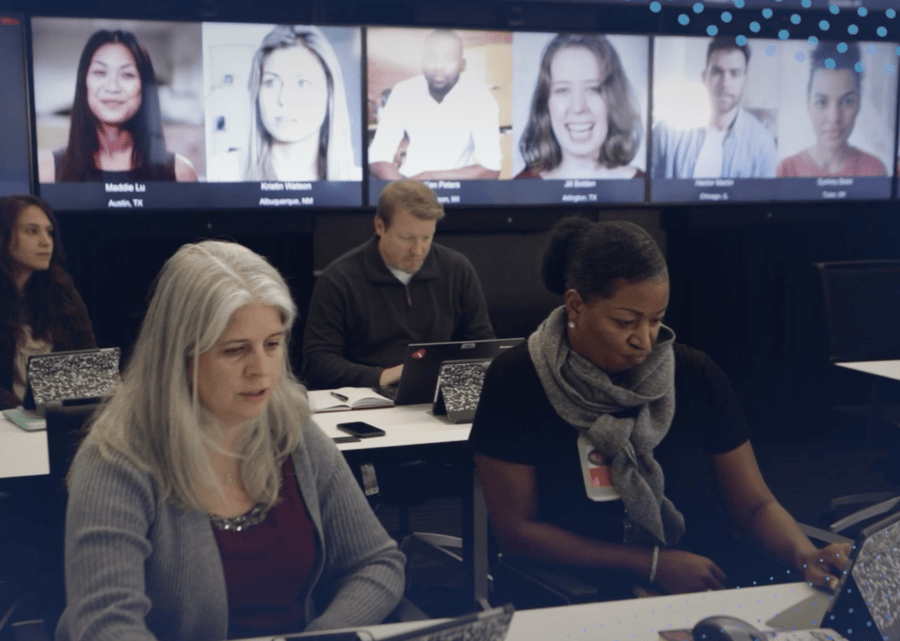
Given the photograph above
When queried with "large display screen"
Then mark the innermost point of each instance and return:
(15, 128)
(500, 118)
(172, 115)
(771, 120)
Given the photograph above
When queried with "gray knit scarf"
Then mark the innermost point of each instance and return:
(584, 396)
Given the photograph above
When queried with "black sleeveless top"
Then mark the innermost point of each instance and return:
(93, 174)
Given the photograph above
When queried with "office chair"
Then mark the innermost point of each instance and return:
(862, 303)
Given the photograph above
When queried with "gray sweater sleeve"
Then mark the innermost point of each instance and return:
(363, 576)
(109, 510)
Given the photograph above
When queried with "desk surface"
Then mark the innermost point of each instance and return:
(888, 369)
(636, 619)
(22, 453)
(405, 425)
(25, 453)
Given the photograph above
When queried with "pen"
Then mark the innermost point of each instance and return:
(340, 397)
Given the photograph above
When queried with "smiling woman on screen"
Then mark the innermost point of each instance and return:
(116, 128)
(583, 122)
(40, 309)
(204, 503)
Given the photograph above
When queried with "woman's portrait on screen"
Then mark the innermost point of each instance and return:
(116, 130)
(584, 119)
(297, 127)
(836, 98)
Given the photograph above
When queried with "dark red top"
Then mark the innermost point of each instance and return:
(268, 565)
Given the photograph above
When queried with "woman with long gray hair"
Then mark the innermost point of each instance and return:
(204, 502)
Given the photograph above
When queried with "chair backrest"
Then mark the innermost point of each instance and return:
(862, 305)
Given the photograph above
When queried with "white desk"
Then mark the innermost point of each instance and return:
(888, 369)
(636, 619)
(22, 453)
(405, 426)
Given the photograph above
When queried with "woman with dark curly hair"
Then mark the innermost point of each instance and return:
(584, 122)
(40, 310)
(116, 130)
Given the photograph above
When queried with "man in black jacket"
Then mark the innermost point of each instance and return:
(396, 289)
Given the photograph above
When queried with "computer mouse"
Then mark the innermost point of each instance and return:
(726, 628)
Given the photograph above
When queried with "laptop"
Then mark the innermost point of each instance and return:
(70, 378)
(422, 366)
(866, 604)
(459, 388)
(491, 625)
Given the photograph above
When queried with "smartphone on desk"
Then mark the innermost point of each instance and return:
(360, 429)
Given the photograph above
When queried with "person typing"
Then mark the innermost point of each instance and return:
(204, 502)
(398, 288)
(602, 444)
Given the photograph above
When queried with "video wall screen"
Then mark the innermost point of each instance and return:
(15, 128)
(173, 115)
(136, 114)
(500, 118)
(771, 120)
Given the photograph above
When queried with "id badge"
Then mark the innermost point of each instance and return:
(596, 469)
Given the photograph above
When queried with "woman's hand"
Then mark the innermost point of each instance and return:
(817, 565)
(679, 571)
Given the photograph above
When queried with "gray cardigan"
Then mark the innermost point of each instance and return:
(137, 568)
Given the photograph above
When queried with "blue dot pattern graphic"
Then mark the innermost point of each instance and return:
(655, 7)
(784, 34)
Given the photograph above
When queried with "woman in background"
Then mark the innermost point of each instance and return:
(204, 503)
(40, 310)
(602, 444)
(833, 101)
(299, 122)
(584, 120)
(116, 129)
